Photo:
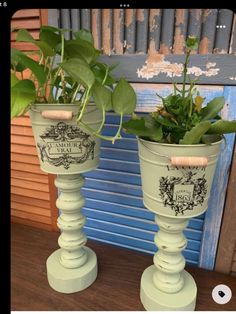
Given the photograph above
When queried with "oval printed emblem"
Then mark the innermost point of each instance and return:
(64, 144)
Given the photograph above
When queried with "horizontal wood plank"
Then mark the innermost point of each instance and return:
(31, 223)
(30, 193)
(34, 34)
(29, 185)
(208, 69)
(26, 167)
(28, 208)
(29, 200)
(25, 120)
(29, 23)
(30, 216)
(21, 130)
(23, 46)
(21, 149)
(26, 13)
(23, 140)
(28, 159)
(41, 178)
(120, 268)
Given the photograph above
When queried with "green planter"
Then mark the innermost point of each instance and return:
(176, 183)
(176, 191)
(64, 147)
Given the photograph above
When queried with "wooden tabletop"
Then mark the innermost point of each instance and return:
(116, 287)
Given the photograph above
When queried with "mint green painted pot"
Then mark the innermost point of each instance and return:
(63, 146)
(172, 190)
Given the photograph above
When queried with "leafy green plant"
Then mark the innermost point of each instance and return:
(67, 71)
(182, 118)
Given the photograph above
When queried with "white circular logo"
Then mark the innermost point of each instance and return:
(221, 294)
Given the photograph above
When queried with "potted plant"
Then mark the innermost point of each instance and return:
(68, 93)
(178, 148)
(65, 77)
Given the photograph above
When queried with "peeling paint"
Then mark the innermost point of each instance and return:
(210, 65)
(220, 51)
(164, 49)
(204, 43)
(206, 13)
(180, 16)
(179, 41)
(118, 31)
(152, 46)
(129, 14)
(106, 30)
(95, 27)
(197, 13)
(140, 15)
(152, 19)
(156, 64)
(232, 78)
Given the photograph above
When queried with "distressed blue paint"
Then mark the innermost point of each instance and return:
(216, 203)
(146, 96)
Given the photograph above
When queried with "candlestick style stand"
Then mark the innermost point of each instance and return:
(165, 285)
(73, 267)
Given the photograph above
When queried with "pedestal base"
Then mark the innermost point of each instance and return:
(155, 300)
(67, 280)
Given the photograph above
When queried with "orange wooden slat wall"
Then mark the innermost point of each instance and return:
(33, 193)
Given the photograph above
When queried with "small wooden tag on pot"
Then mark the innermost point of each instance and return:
(57, 114)
(189, 161)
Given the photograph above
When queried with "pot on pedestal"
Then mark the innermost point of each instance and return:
(176, 183)
(67, 150)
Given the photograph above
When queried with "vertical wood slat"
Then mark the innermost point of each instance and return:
(118, 31)
(75, 19)
(167, 26)
(96, 27)
(181, 23)
(130, 26)
(154, 29)
(107, 31)
(225, 18)
(208, 31)
(232, 46)
(43, 16)
(142, 30)
(85, 19)
(194, 24)
(227, 242)
(65, 21)
(54, 17)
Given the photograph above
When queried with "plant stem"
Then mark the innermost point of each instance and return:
(75, 93)
(86, 98)
(105, 77)
(62, 58)
(103, 120)
(185, 71)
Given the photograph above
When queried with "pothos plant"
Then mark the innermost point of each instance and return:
(67, 71)
(182, 118)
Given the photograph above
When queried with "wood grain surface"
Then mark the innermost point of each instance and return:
(116, 287)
